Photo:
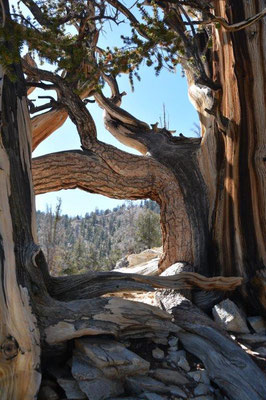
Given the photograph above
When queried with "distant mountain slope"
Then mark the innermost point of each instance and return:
(98, 240)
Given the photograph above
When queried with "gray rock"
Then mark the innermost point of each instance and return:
(71, 389)
(183, 363)
(258, 324)
(82, 370)
(101, 389)
(124, 398)
(200, 376)
(201, 389)
(176, 391)
(169, 298)
(228, 315)
(158, 354)
(160, 340)
(173, 341)
(207, 397)
(261, 351)
(47, 393)
(169, 376)
(112, 358)
(151, 396)
(175, 356)
(139, 384)
(122, 263)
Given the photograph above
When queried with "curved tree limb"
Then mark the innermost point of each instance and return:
(234, 27)
(118, 113)
(94, 284)
(76, 108)
(113, 176)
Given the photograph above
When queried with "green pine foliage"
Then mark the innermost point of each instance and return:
(74, 245)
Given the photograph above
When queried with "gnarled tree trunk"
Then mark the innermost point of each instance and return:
(210, 193)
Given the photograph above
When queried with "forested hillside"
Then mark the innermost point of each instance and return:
(98, 240)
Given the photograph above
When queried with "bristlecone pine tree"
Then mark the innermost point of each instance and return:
(210, 189)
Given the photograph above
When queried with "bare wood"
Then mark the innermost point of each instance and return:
(45, 124)
(115, 316)
(19, 334)
(95, 284)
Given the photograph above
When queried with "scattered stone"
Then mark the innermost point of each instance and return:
(123, 398)
(158, 354)
(112, 358)
(176, 391)
(173, 341)
(183, 363)
(228, 315)
(160, 340)
(151, 396)
(139, 384)
(200, 376)
(47, 393)
(101, 389)
(71, 389)
(258, 324)
(208, 397)
(169, 376)
(175, 356)
(201, 389)
(261, 351)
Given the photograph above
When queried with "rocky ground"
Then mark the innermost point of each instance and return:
(152, 368)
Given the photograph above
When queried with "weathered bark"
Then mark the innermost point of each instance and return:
(19, 333)
(236, 184)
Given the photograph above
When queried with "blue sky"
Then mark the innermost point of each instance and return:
(145, 103)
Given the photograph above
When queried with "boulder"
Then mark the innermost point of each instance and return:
(144, 256)
(148, 268)
(228, 315)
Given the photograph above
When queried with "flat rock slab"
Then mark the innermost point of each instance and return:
(169, 376)
(82, 370)
(101, 389)
(111, 357)
(228, 315)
